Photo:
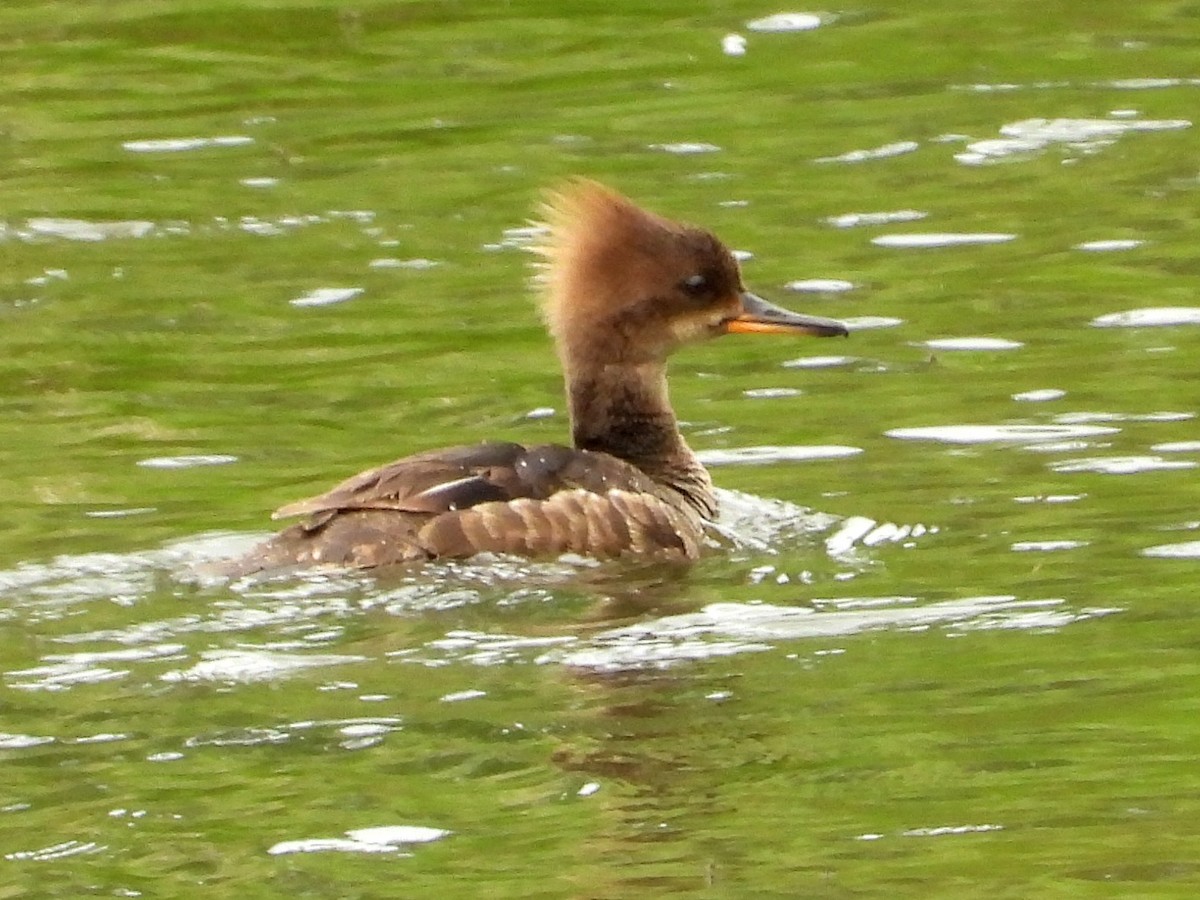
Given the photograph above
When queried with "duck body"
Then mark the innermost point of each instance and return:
(622, 289)
(492, 497)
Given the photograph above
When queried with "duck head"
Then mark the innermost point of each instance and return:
(622, 286)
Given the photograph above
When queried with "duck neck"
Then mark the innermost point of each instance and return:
(623, 410)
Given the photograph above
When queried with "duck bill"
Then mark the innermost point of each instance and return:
(760, 317)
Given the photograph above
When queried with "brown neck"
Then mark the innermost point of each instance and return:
(623, 410)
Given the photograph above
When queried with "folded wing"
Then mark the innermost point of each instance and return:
(498, 497)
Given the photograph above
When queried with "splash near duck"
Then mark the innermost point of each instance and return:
(621, 289)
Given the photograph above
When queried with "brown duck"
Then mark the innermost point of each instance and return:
(622, 289)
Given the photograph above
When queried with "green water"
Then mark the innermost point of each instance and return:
(928, 669)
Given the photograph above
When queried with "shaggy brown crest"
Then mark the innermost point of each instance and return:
(622, 288)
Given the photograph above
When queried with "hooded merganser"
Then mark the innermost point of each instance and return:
(621, 289)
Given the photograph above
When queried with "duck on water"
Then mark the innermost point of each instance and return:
(622, 288)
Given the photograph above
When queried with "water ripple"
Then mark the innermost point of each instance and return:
(1150, 317)
(83, 230)
(885, 151)
(1177, 447)
(865, 531)
(941, 239)
(380, 839)
(179, 145)
(1026, 138)
(746, 628)
(1109, 246)
(820, 286)
(1184, 550)
(780, 23)
(764, 455)
(1046, 546)
(187, 461)
(973, 344)
(326, 296)
(857, 220)
(985, 434)
(686, 148)
(1041, 395)
(1121, 465)
(246, 666)
(866, 323)
(819, 362)
(57, 851)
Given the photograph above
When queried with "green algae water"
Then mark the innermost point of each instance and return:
(949, 647)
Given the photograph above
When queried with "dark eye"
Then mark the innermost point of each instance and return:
(696, 286)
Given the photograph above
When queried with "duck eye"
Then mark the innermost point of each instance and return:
(695, 285)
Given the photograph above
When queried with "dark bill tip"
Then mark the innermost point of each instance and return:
(760, 317)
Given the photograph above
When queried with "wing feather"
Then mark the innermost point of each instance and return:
(499, 497)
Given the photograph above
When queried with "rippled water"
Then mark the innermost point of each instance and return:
(944, 644)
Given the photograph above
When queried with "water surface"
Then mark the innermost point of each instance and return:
(948, 645)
